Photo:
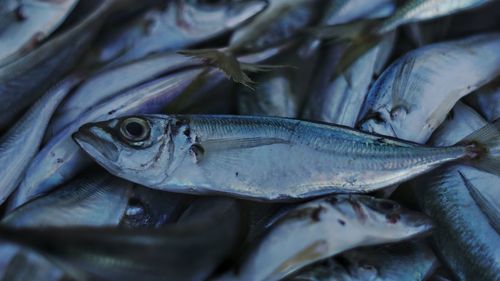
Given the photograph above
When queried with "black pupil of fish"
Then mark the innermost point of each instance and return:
(135, 129)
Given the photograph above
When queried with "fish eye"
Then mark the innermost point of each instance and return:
(387, 205)
(135, 129)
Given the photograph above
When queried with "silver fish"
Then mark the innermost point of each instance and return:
(61, 159)
(24, 80)
(322, 228)
(189, 250)
(463, 202)
(420, 10)
(344, 11)
(341, 100)
(409, 261)
(486, 100)
(266, 158)
(179, 24)
(414, 95)
(24, 24)
(21, 142)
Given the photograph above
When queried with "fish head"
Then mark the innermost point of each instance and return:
(215, 16)
(381, 220)
(138, 148)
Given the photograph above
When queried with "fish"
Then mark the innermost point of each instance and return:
(486, 100)
(345, 11)
(24, 80)
(25, 24)
(61, 159)
(462, 200)
(266, 158)
(324, 227)
(183, 23)
(414, 94)
(21, 142)
(340, 101)
(25, 265)
(407, 261)
(188, 250)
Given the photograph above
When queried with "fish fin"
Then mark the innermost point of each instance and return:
(483, 148)
(228, 144)
(491, 211)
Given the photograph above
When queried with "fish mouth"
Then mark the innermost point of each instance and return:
(97, 145)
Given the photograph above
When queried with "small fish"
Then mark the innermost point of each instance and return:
(408, 261)
(188, 250)
(21, 142)
(414, 95)
(179, 24)
(25, 24)
(344, 11)
(267, 158)
(486, 100)
(61, 159)
(24, 80)
(322, 228)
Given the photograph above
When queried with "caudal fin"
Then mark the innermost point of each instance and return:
(483, 147)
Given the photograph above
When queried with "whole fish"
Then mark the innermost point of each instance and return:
(486, 100)
(21, 142)
(185, 251)
(463, 202)
(24, 80)
(414, 95)
(61, 159)
(24, 24)
(266, 158)
(322, 228)
(178, 24)
(409, 261)
(110, 82)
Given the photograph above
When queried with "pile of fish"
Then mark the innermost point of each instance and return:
(305, 140)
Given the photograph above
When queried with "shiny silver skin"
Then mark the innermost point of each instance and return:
(281, 20)
(414, 95)
(322, 228)
(464, 205)
(408, 261)
(24, 24)
(93, 199)
(420, 10)
(24, 80)
(268, 158)
(188, 250)
(108, 83)
(341, 100)
(344, 11)
(486, 100)
(179, 24)
(61, 159)
(22, 141)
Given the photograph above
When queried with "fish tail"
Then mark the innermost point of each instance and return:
(483, 148)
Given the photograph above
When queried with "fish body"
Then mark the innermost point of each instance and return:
(322, 228)
(61, 159)
(24, 24)
(21, 142)
(344, 11)
(486, 100)
(266, 158)
(420, 10)
(414, 95)
(190, 250)
(407, 261)
(24, 80)
(182, 23)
